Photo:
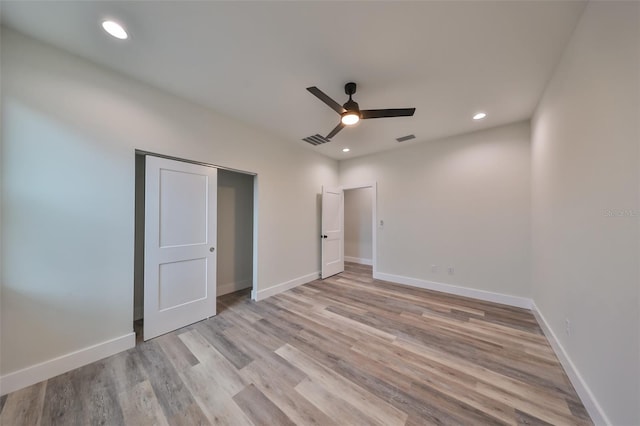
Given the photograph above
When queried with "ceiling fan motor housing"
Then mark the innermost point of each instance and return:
(351, 105)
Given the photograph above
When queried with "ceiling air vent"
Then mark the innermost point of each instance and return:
(316, 140)
(406, 138)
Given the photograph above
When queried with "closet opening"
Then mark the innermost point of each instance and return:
(234, 242)
(235, 238)
(358, 230)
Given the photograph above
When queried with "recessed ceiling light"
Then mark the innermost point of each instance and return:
(345, 150)
(479, 116)
(115, 29)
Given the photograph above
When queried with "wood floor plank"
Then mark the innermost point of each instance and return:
(275, 365)
(260, 409)
(348, 350)
(339, 410)
(173, 397)
(179, 355)
(447, 382)
(127, 369)
(337, 358)
(294, 315)
(251, 341)
(220, 371)
(100, 399)
(280, 390)
(472, 330)
(273, 327)
(191, 415)
(455, 408)
(140, 406)
(224, 345)
(549, 414)
(527, 392)
(529, 420)
(62, 402)
(245, 307)
(577, 408)
(355, 395)
(215, 400)
(24, 407)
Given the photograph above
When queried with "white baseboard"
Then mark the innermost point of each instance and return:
(358, 260)
(231, 287)
(36, 373)
(505, 299)
(594, 409)
(279, 288)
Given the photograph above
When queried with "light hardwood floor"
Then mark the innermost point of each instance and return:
(347, 350)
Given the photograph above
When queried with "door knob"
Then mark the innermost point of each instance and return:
(212, 249)
(323, 236)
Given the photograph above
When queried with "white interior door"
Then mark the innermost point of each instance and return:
(179, 245)
(332, 231)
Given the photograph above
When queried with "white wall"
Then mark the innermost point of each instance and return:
(69, 131)
(357, 225)
(586, 166)
(462, 201)
(235, 231)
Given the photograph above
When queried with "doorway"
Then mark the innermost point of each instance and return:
(359, 229)
(358, 235)
(235, 233)
(235, 248)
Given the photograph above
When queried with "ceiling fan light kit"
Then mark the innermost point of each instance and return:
(350, 118)
(350, 112)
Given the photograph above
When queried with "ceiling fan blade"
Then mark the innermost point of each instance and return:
(326, 99)
(382, 113)
(335, 130)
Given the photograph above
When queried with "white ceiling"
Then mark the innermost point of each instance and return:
(253, 60)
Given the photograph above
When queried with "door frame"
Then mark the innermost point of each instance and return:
(254, 288)
(374, 220)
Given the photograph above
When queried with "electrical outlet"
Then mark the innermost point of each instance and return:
(434, 269)
(567, 326)
(450, 270)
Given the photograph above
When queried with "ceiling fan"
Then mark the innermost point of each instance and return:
(350, 112)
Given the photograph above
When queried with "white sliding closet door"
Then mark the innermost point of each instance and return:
(180, 241)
